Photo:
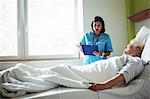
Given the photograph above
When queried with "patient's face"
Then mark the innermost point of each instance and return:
(132, 50)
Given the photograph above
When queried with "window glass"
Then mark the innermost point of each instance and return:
(8, 28)
(52, 27)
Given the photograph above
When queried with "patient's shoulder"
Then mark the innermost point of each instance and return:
(136, 60)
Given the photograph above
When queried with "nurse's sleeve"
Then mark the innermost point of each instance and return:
(109, 45)
(83, 41)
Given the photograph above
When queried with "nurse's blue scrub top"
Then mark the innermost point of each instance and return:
(103, 42)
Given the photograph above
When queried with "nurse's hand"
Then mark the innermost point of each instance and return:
(98, 53)
(79, 46)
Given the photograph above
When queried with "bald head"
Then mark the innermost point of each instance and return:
(134, 48)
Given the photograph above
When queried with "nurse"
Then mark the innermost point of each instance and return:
(97, 37)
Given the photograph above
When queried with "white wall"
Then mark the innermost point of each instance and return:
(145, 22)
(114, 15)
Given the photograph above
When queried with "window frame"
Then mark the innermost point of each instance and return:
(22, 34)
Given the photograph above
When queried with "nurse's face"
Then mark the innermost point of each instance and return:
(132, 50)
(97, 26)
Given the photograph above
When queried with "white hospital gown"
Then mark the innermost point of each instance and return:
(133, 66)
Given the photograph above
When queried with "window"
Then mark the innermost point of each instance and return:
(46, 29)
(8, 28)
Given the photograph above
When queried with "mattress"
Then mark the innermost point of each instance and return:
(62, 93)
(71, 93)
(68, 93)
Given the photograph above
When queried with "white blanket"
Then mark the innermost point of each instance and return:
(22, 78)
(99, 71)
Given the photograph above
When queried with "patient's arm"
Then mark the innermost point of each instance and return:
(117, 79)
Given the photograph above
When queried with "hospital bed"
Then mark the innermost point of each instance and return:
(139, 88)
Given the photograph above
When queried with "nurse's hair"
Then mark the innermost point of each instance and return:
(96, 19)
(136, 43)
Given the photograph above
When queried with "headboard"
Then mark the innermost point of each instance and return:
(143, 36)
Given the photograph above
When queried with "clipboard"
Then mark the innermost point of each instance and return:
(89, 49)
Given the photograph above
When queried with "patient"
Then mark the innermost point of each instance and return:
(133, 66)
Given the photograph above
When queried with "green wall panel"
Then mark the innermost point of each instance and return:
(130, 24)
(140, 5)
(132, 7)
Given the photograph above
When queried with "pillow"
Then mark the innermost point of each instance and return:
(143, 34)
(146, 53)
